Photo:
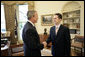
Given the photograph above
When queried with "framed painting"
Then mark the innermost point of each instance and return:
(47, 20)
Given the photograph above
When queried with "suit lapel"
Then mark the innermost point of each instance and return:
(54, 33)
(32, 26)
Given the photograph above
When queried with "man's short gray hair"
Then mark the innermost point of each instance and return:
(30, 14)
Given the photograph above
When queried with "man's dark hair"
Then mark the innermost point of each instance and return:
(59, 15)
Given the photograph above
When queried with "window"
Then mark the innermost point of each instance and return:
(22, 11)
(3, 25)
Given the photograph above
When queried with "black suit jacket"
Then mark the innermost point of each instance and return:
(31, 41)
(60, 42)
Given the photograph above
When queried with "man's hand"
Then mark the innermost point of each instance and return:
(45, 44)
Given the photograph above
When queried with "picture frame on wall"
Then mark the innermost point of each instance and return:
(47, 20)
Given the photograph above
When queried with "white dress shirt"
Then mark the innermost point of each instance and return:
(57, 28)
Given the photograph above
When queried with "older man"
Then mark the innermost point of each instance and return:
(30, 36)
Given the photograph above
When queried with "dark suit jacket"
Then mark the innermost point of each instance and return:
(31, 41)
(60, 42)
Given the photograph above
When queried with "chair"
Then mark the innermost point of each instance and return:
(44, 38)
(17, 50)
(78, 42)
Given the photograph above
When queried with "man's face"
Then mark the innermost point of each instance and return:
(35, 17)
(56, 20)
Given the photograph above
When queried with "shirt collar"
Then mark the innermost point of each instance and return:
(57, 26)
(31, 22)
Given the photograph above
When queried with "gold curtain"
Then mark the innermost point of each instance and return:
(10, 17)
(10, 21)
(30, 3)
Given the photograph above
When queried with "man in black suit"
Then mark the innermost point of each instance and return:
(60, 38)
(30, 36)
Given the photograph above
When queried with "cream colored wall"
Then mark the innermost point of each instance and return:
(51, 7)
(47, 7)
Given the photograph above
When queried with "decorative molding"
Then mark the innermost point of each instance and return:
(71, 6)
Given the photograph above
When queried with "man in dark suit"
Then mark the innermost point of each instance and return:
(30, 36)
(60, 38)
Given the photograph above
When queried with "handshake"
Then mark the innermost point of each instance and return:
(45, 44)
